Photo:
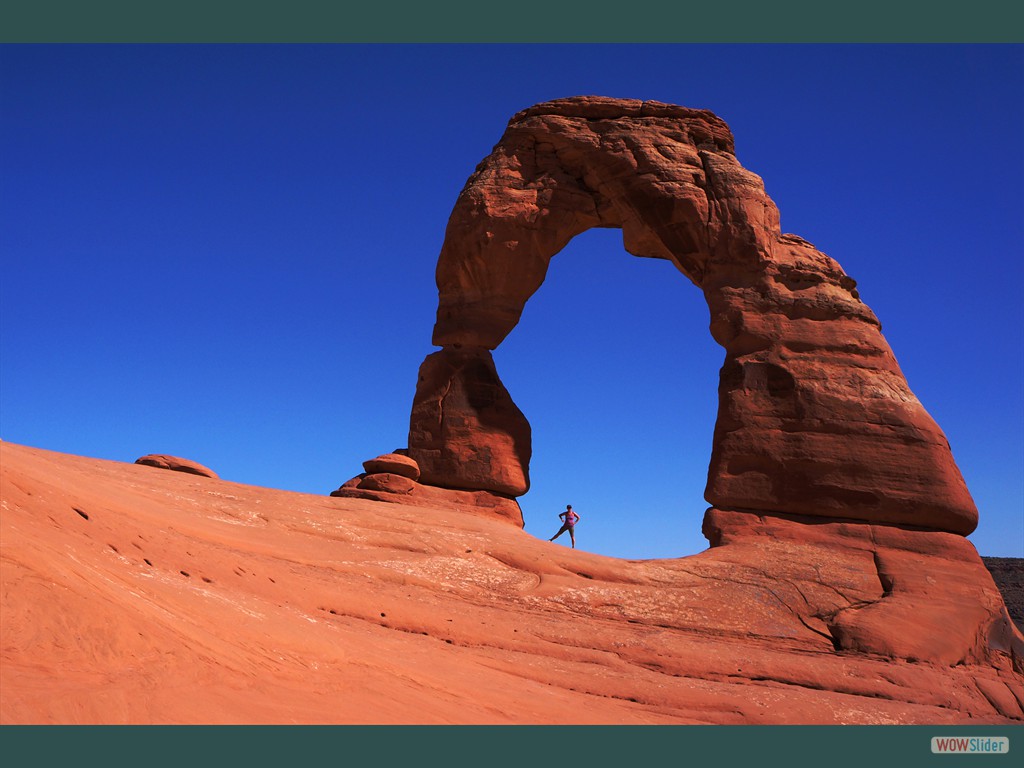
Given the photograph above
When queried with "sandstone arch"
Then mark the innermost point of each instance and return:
(815, 417)
(825, 469)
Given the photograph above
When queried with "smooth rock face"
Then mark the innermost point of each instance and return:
(815, 417)
(175, 463)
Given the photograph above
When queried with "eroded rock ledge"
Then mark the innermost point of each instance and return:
(893, 591)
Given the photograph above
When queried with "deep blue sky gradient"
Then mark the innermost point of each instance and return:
(227, 253)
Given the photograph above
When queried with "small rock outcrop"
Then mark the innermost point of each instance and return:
(162, 461)
(393, 477)
(393, 463)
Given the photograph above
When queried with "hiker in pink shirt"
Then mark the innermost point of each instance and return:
(569, 525)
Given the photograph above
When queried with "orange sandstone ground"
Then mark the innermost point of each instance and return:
(132, 594)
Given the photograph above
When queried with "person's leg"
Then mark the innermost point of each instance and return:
(572, 535)
(560, 532)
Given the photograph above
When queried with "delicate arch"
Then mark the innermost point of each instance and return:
(815, 416)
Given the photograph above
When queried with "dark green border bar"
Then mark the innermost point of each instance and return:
(515, 21)
(667, 746)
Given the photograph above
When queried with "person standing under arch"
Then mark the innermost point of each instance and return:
(569, 519)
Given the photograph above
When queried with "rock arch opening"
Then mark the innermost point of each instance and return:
(814, 416)
(614, 366)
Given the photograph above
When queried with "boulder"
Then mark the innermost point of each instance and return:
(175, 463)
(394, 463)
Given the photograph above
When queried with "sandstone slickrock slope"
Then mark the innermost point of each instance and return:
(133, 596)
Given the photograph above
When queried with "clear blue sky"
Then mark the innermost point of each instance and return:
(227, 253)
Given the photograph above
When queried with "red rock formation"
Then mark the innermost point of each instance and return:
(162, 461)
(815, 417)
(398, 490)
